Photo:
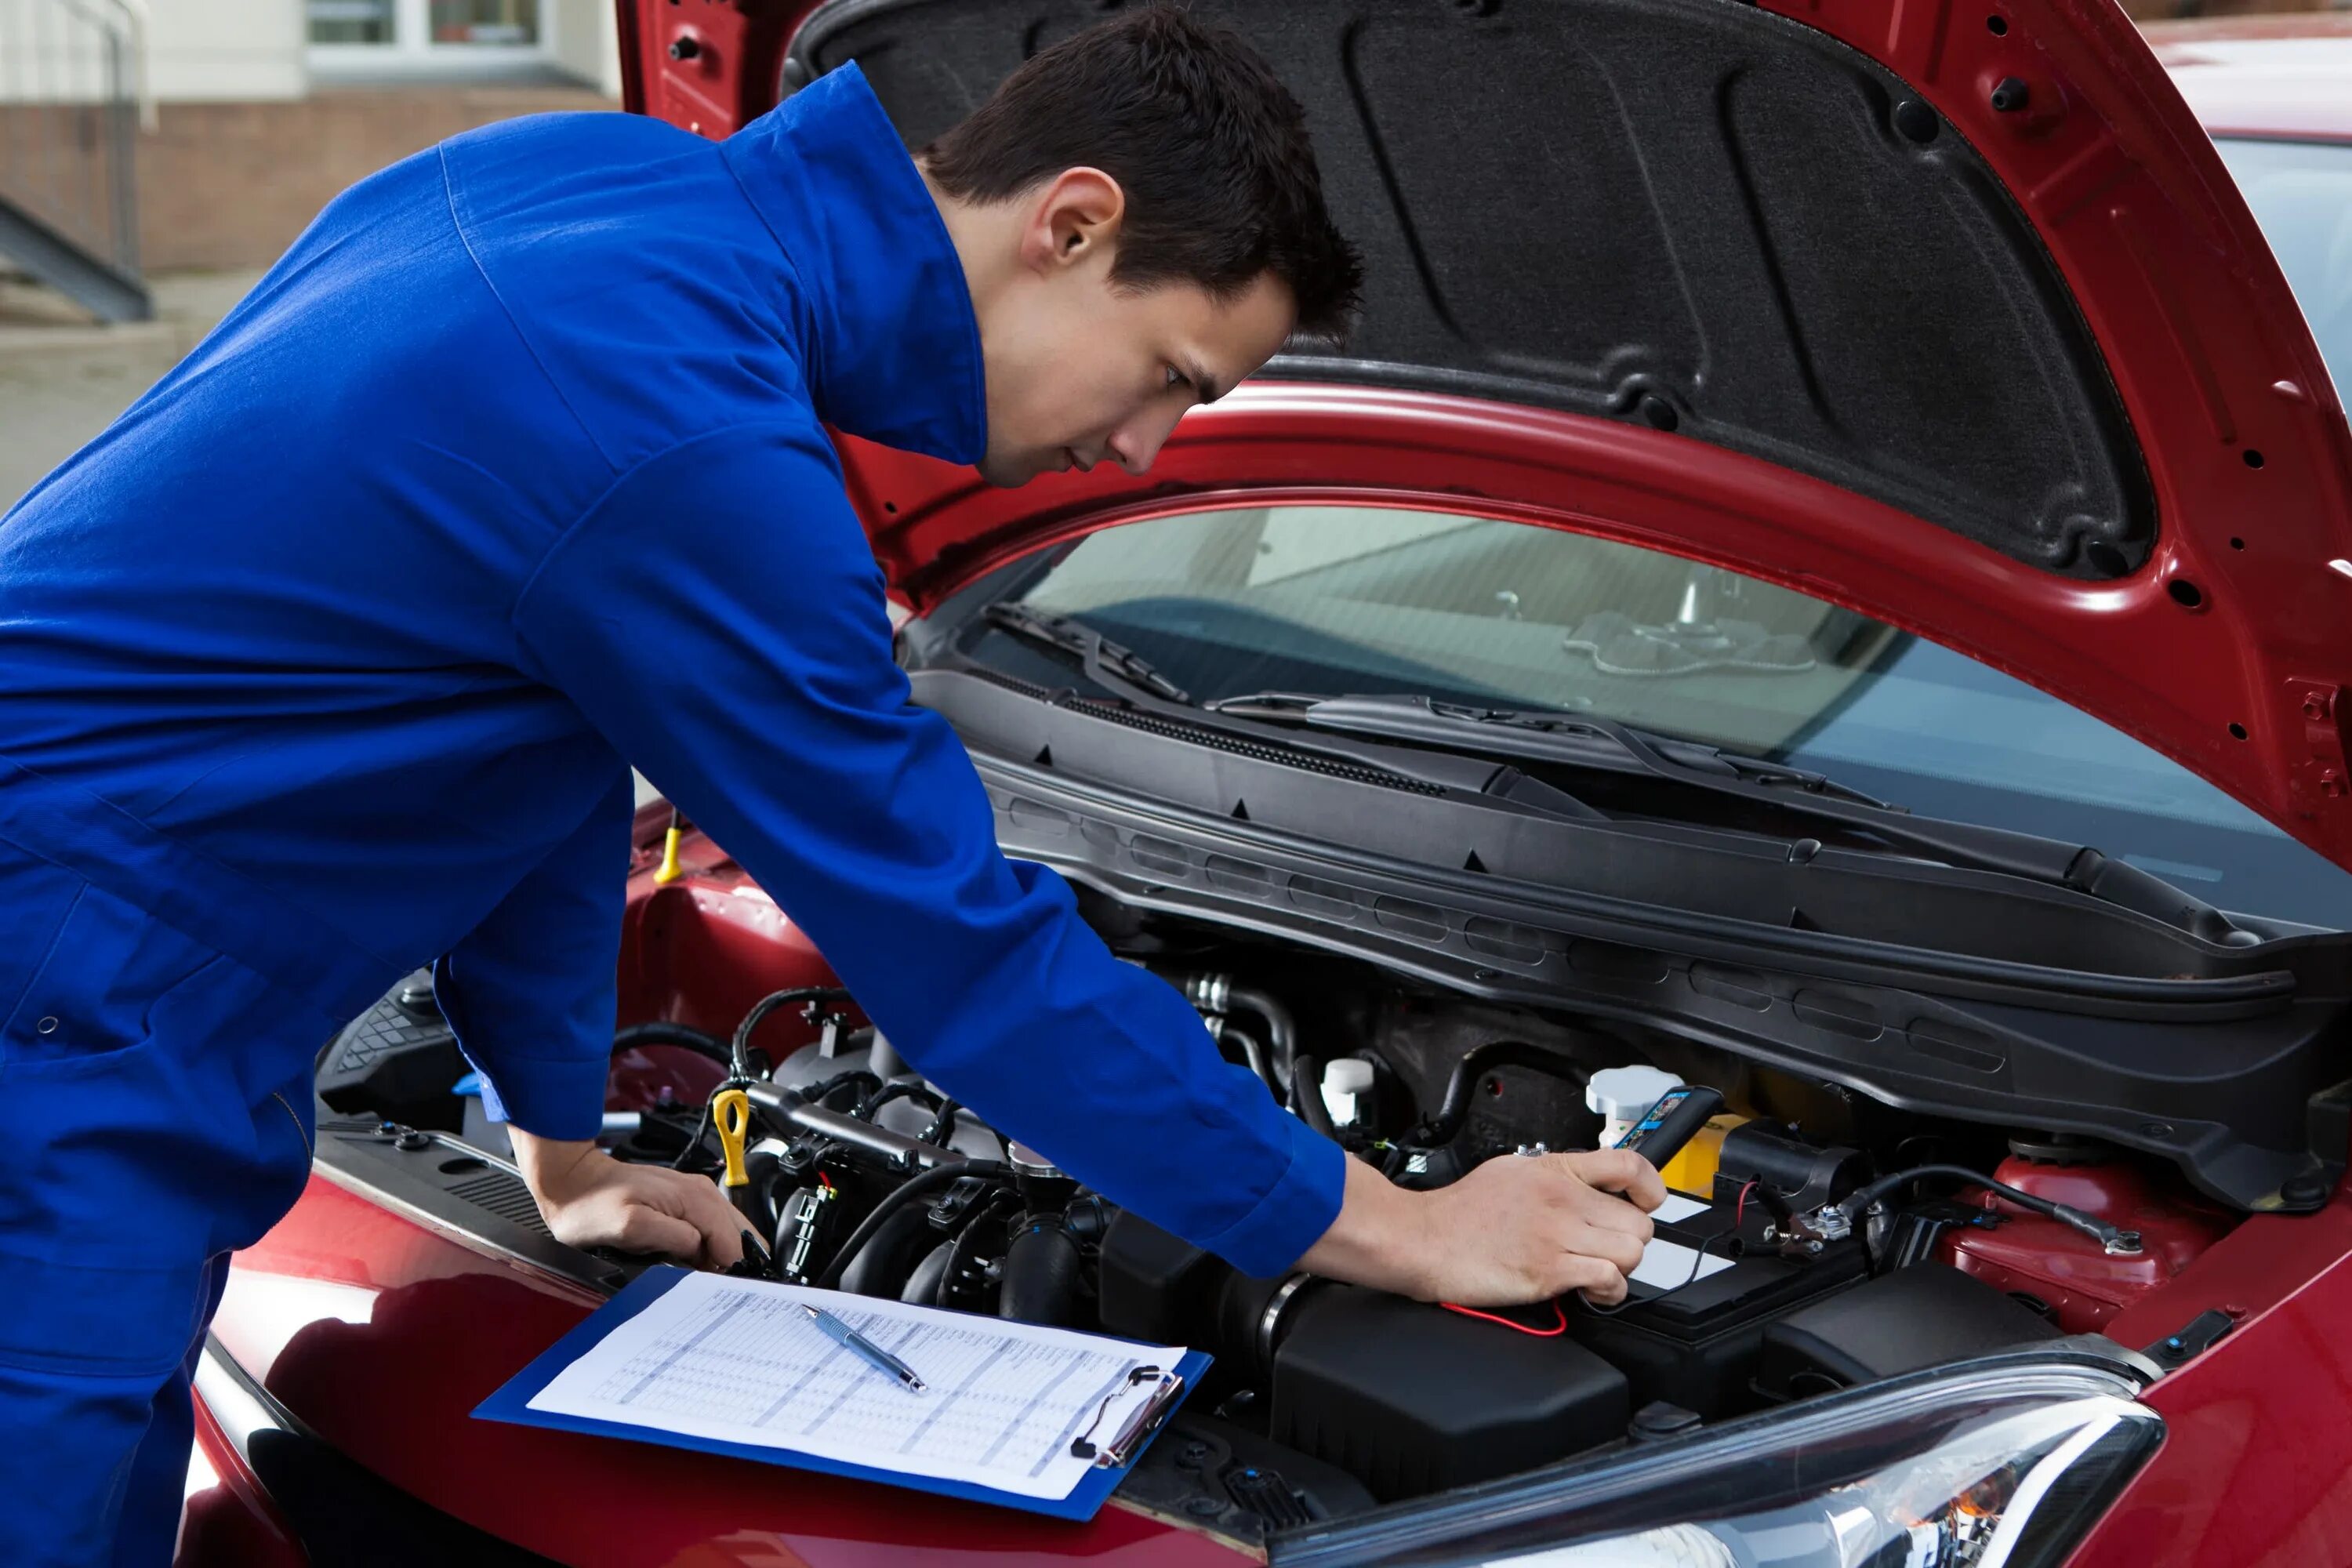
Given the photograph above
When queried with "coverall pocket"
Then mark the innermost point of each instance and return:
(107, 966)
(73, 1319)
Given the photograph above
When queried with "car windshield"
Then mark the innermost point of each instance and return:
(2301, 194)
(1365, 600)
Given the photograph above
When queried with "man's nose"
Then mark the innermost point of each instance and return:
(1136, 444)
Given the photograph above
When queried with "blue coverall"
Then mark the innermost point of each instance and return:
(324, 660)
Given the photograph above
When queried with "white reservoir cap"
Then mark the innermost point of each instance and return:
(1347, 1075)
(1621, 1094)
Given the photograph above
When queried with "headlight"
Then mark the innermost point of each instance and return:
(2003, 1465)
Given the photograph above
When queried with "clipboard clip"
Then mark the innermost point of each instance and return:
(1139, 1426)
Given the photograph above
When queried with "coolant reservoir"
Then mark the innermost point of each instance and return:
(1692, 1170)
(1346, 1080)
(1619, 1096)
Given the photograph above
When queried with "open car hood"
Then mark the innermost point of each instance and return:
(1945, 311)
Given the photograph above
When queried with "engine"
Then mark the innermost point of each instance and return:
(1815, 1239)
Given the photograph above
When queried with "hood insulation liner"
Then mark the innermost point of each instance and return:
(1692, 214)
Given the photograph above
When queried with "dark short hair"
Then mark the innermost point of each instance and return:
(1210, 147)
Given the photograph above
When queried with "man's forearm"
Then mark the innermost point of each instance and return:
(1378, 1239)
(546, 1162)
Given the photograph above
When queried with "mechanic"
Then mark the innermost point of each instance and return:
(325, 659)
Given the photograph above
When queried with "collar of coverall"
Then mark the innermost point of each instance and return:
(892, 347)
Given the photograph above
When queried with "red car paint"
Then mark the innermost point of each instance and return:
(228, 1517)
(383, 1333)
(2237, 678)
(2084, 1284)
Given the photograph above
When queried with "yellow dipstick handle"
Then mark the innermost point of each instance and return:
(670, 870)
(731, 1109)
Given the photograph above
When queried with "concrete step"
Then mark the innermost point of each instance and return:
(64, 377)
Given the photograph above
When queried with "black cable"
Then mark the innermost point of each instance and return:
(1630, 1299)
(900, 1198)
(663, 1032)
(824, 1088)
(1858, 1202)
(739, 1053)
(694, 1144)
(900, 1089)
(943, 1127)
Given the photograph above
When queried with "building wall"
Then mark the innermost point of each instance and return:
(213, 50)
(588, 43)
(231, 184)
(252, 136)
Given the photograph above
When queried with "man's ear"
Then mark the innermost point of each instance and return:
(1072, 218)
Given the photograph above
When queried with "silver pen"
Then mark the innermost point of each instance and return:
(874, 1355)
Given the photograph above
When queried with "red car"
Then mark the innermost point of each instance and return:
(1824, 574)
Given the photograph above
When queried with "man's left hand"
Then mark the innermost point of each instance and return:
(589, 1199)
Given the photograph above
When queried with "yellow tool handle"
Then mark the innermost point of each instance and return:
(670, 870)
(730, 1109)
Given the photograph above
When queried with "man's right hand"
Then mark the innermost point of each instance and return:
(1514, 1230)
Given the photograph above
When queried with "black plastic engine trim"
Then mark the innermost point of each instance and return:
(2216, 1075)
(1837, 911)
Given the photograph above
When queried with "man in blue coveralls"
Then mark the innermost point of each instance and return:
(331, 654)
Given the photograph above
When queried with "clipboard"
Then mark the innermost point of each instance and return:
(1112, 1459)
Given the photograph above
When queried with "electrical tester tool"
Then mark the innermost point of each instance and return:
(1666, 1126)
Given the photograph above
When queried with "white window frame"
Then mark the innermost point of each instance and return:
(413, 52)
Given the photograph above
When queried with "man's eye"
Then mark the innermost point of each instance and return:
(1175, 377)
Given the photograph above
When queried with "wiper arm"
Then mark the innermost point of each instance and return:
(1108, 665)
(1584, 742)
(1566, 739)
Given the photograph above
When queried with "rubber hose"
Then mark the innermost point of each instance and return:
(1308, 1074)
(1041, 1277)
(922, 1286)
(1281, 1034)
(1254, 1055)
(1463, 1086)
(881, 1266)
(898, 1197)
(666, 1034)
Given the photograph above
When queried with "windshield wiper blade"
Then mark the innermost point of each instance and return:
(1566, 738)
(1104, 662)
(1586, 741)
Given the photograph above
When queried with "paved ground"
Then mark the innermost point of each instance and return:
(63, 379)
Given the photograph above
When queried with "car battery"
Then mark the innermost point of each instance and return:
(1698, 1344)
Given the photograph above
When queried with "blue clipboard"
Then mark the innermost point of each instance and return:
(512, 1404)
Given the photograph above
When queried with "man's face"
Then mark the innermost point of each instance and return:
(1082, 370)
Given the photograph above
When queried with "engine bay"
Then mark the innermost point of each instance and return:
(1814, 1240)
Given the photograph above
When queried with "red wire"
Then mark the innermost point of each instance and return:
(1742, 1207)
(1560, 1325)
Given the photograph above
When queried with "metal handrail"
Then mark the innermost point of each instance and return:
(73, 98)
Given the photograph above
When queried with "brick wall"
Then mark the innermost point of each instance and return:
(230, 185)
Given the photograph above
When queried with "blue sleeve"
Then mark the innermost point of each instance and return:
(530, 991)
(719, 616)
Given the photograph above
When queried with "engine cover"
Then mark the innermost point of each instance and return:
(1412, 1399)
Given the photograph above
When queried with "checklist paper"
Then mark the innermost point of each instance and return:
(739, 1362)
